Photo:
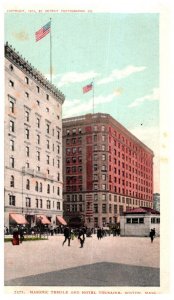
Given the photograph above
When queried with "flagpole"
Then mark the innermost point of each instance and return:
(50, 54)
(93, 94)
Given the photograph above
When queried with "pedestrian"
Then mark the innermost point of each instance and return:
(99, 233)
(81, 237)
(67, 235)
(152, 234)
(15, 240)
(21, 234)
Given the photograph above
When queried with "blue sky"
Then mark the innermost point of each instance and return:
(119, 51)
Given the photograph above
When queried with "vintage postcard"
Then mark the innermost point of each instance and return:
(86, 148)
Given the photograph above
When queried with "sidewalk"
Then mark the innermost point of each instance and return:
(109, 261)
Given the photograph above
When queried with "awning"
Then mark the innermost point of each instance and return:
(61, 220)
(19, 219)
(44, 220)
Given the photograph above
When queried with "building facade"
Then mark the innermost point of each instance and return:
(106, 170)
(33, 144)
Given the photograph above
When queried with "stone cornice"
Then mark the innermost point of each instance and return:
(29, 70)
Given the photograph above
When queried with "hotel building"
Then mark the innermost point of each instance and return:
(106, 170)
(33, 145)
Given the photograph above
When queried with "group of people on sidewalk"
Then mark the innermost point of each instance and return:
(69, 235)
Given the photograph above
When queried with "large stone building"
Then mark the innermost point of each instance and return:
(106, 170)
(33, 145)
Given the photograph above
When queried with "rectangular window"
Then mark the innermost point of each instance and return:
(58, 205)
(134, 220)
(11, 83)
(11, 126)
(48, 204)
(27, 133)
(12, 162)
(38, 89)
(103, 208)
(28, 202)
(26, 80)
(128, 220)
(12, 200)
(12, 145)
(95, 208)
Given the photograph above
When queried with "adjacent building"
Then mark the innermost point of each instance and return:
(106, 171)
(139, 221)
(33, 145)
(156, 201)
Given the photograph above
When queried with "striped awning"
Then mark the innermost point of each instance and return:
(43, 219)
(61, 220)
(19, 219)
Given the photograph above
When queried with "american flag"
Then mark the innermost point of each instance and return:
(87, 88)
(43, 31)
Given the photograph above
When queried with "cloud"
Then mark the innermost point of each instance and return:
(120, 74)
(151, 97)
(79, 107)
(72, 77)
(21, 36)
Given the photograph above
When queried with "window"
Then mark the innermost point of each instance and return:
(11, 126)
(103, 157)
(41, 204)
(48, 159)
(36, 186)
(103, 208)
(58, 176)
(37, 88)
(115, 209)
(38, 139)
(11, 145)
(58, 205)
(48, 189)
(37, 203)
(12, 181)
(27, 115)
(38, 155)
(28, 202)
(27, 151)
(26, 94)
(48, 144)
(104, 197)
(12, 106)
(27, 133)
(95, 197)
(128, 220)
(12, 200)
(26, 80)
(38, 168)
(40, 189)
(27, 184)
(134, 220)
(27, 165)
(95, 167)
(103, 128)
(47, 128)
(48, 204)
(95, 208)
(38, 122)
(47, 96)
(12, 162)
(58, 190)
(103, 138)
(103, 186)
(38, 102)
(141, 220)
(58, 163)
(58, 134)
(47, 109)
(58, 149)
(11, 83)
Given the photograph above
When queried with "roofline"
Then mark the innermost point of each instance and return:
(14, 57)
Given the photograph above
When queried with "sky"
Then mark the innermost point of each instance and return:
(118, 52)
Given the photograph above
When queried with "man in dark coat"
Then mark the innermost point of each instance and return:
(152, 234)
(67, 235)
(81, 237)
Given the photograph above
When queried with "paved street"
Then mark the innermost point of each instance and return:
(112, 261)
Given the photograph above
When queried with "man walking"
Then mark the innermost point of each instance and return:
(81, 237)
(67, 235)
